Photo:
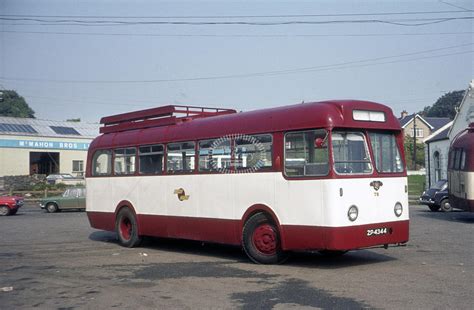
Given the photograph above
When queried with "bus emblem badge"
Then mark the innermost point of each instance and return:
(376, 185)
(181, 194)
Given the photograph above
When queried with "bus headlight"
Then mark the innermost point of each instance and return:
(353, 213)
(398, 209)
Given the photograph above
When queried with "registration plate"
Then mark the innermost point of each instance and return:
(378, 231)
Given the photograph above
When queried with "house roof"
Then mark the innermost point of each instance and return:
(434, 123)
(47, 128)
(441, 135)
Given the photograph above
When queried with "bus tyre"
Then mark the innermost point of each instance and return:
(446, 206)
(261, 240)
(51, 207)
(127, 228)
(434, 208)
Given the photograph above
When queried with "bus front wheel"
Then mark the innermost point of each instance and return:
(127, 228)
(261, 240)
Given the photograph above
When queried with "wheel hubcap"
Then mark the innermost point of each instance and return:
(265, 239)
(126, 228)
(3, 211)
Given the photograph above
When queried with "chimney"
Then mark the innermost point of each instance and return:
(404, 114)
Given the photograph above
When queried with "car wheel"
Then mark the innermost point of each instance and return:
(434, 208)
(446, 205)
(51, 207)
(127, 228)
(4, 211)
(261, 240)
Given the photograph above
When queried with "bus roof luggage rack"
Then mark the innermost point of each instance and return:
(155, 117)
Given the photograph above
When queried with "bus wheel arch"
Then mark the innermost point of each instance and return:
(126, 225)
(261, 236)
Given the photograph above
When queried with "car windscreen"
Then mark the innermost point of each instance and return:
(440, 185)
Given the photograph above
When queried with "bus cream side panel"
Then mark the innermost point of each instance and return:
(215, 195)
(374, 206)
(125, 188)
(152, 198)
(299, 202)
(182, 198)
(253, 188)
(98, 196)
(469, 179)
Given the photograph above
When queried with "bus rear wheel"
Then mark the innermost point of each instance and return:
(127, 228)
(261, 240)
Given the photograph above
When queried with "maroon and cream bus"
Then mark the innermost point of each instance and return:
(461, 170)
(327, 176)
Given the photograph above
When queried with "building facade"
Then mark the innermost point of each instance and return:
(32, 146)
(437, 145)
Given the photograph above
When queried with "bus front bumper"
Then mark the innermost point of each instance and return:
(344, 238)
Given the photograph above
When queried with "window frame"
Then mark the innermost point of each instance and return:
(234, 151)
(174, 172)
(373, 155)
(110, 162)
(134, 155)
(163, 160)
(313, 176)
(367, 148)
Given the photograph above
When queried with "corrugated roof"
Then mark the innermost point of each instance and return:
(43, 128)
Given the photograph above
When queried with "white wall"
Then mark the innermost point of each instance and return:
(442, 147)
(465, 116)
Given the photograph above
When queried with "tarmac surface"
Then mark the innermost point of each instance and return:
(57, 261)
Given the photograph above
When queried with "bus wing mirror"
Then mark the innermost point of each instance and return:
(319, 143)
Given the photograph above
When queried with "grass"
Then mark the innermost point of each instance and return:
(416, 184)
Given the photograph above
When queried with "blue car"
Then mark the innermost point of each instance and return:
(436, 197)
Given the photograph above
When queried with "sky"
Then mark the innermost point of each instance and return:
(68, 61)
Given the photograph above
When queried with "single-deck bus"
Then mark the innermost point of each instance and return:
(327, 176)
(461, 170)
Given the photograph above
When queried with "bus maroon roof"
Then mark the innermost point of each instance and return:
(326, 114)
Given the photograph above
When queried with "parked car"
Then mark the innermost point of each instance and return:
(65, 178)
(72, 198)
(436, 197)
(9, 205)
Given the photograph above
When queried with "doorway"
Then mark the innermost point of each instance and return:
(44, 163)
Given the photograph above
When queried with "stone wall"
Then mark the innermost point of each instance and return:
(22, 182)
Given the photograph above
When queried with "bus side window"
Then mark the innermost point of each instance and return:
(214, 155)
(102, 163)
(124, 161)
(151, 159)
(253, 152)
(306, 153)
(180, 157)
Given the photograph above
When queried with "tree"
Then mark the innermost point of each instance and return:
(445, 106)
(14, 105)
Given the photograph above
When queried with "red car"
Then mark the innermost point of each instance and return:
(9, 205)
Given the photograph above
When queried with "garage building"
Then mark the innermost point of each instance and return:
(31, 146)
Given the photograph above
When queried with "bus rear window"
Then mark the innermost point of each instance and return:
(350, 152)
(386, 154)
(102, 163)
